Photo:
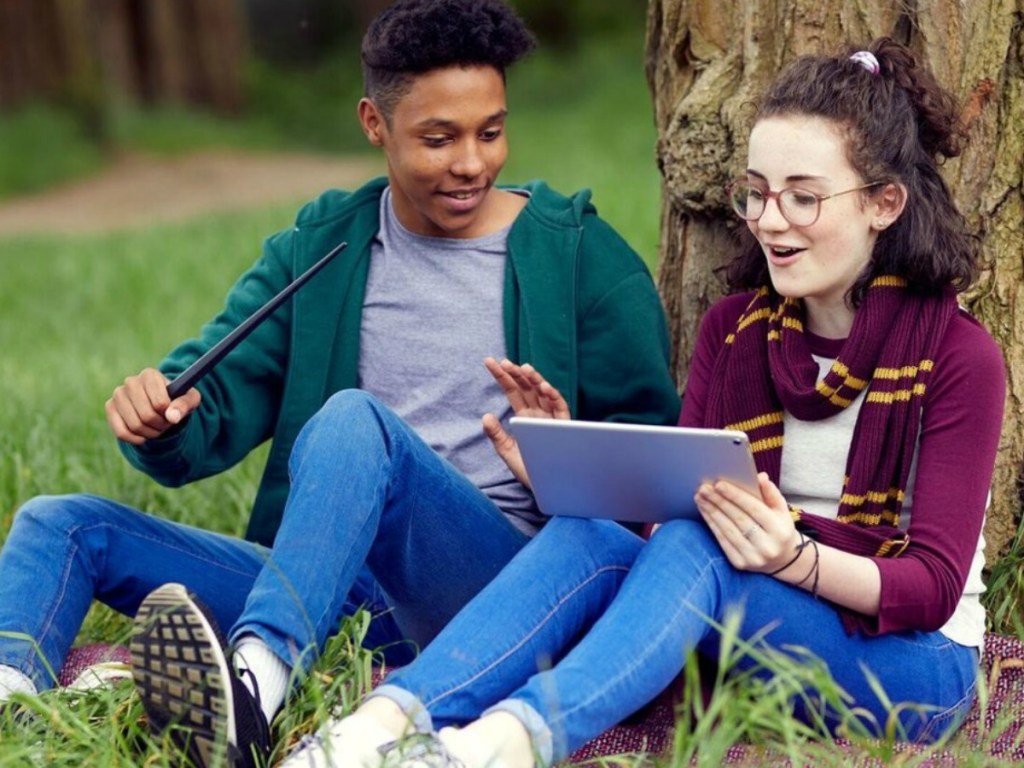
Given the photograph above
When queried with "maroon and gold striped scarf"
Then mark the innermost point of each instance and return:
(765, 367)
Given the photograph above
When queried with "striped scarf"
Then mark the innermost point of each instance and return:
(765, 367)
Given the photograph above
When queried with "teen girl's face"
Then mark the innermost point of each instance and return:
(445, 146)
(820, 262)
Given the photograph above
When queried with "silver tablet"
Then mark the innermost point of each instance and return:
(627, 472)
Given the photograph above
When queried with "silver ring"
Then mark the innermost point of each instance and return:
(750, 531)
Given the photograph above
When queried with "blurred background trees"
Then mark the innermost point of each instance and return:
(96, 76)
(85, 54)
(90, 55)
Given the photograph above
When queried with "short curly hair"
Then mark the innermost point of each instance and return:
(412, 37)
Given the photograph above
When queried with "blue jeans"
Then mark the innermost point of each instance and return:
(588, 623)
(374, 518)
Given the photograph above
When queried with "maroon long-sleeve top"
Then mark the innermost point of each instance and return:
(960, 426)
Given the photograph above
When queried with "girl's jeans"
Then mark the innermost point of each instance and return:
(588, 623)
(374, 518)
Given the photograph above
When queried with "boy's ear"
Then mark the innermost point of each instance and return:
(889, 204)
(372, 121)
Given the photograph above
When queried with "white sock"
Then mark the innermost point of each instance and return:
(497, 740)
(271, 673)
(13, 680)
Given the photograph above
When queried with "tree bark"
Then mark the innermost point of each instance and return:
(89, 52)
(193, 51)
(706, 61)
(27, 62)
(83, 85)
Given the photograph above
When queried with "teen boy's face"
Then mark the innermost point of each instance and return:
(445, 146)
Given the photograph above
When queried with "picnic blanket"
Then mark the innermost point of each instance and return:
(651, 731)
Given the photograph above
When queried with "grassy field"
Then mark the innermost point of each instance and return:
(78, 314)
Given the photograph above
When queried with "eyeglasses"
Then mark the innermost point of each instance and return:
(799, 207)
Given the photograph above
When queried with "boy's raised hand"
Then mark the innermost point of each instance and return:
(529, 394)
(140, 409)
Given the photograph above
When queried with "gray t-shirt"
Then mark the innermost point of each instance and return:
(432, 312)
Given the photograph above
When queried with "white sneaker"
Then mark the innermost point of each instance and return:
(420, 750)
(105, 674)
(349, 742)
(14, 681)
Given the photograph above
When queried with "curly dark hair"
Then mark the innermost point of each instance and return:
(899, 124)
(412, 37)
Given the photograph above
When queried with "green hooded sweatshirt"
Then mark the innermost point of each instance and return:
(579, 305)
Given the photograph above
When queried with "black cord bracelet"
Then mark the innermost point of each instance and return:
(799, 551)
(814, 587)
(813, 572)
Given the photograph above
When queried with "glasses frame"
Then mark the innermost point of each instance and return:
(777, 196)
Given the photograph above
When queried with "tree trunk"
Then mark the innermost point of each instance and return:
(706, 60)
(83, 78)
(89, 52)
(27, 62)
(192, 52)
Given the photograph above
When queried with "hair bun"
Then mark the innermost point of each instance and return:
(938, 114)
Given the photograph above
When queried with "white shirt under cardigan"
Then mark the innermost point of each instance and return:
(813, 467)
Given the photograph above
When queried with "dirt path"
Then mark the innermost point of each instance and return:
(137, 191)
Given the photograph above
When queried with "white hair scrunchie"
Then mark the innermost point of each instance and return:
(867, 60)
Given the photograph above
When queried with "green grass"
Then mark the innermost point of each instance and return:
(80, 314)
(107, 727)
(41, 145)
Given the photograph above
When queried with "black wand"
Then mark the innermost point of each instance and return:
(188, 378)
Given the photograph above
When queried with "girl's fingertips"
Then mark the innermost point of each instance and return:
(709, 510)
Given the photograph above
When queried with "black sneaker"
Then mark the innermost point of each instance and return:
(188, 685)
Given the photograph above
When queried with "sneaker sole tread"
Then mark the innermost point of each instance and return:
(175, 650)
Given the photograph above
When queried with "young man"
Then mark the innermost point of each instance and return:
(380, 489)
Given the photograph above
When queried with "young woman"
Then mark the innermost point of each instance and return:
(859, 381)
(379, 490)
